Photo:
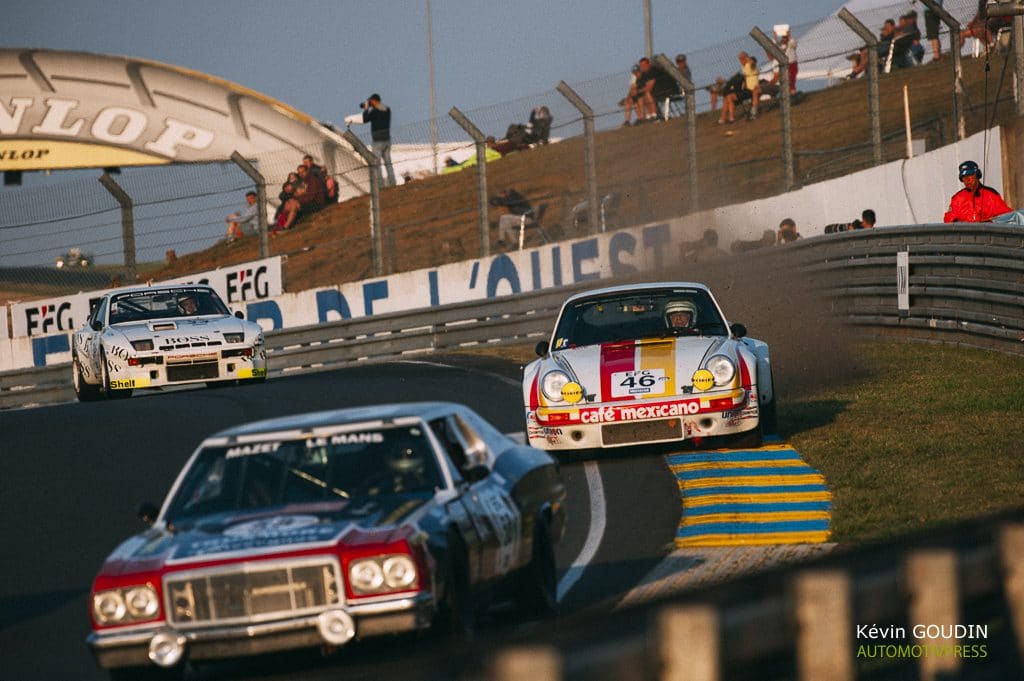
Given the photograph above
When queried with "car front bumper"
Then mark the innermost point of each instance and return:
(159, 370)
(131, 648)
(592, 426)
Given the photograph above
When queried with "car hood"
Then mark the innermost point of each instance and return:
(613, 371)
(224, 537)
(165, 331)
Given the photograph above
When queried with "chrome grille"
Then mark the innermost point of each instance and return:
(252, 592)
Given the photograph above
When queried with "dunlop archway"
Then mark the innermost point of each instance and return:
(62, 109)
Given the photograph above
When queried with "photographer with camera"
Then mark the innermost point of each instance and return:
(379, 117)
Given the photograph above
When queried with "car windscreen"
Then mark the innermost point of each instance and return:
(636, 315)
(140, 306)
(308, 470)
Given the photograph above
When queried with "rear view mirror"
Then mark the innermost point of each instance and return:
(542, 348)
(738, 330)
(147, 512)
(97, 325)
(239, 314)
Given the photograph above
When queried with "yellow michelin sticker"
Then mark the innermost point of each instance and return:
(703, 380)
(572, 392)
(252, 373)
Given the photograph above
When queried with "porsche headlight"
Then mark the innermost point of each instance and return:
(366, 576)
(108, 607)
(143, 345)
(399, 572)
(722, 368)
(141, 602)
(552, 383)
(234, 337)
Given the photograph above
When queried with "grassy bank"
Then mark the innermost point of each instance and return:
(925, 436)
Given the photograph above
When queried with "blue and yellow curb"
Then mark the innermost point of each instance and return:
(749, 497)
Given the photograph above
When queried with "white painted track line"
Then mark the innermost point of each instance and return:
(594, 535)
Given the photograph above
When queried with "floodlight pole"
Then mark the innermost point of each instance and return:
(874, 109)
(589, 153)
(648, 30)
(779, 56)
(373, 166)
(481, 176)
(691, 123)
(261, 198)
(954, 51)
(127, 223)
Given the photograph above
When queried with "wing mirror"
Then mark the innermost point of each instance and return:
(147, 512)
(475, 473)
(239, 314)
(738, 330)
(542, 348)
(97, 325)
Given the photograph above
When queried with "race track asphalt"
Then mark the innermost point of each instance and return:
(73, 475)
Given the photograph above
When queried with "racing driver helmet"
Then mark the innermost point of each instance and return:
(680, 314)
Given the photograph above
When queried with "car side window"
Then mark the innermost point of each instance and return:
(98, 312)
(443, 430)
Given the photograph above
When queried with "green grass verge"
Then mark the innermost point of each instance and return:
(925, 436)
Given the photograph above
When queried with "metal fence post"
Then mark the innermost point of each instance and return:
(373, 165)
(261, 198)
(934, 600)
(589, 153)
(824, 616)
(691, 124)
(689, 640)
(954, 51)
(1011, 550)
(527, 663)
(481, 176)
(127, 223)
(787, 125)
(871, 42)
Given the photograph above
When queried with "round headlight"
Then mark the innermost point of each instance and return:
(552, 383)
(722, 368)
(366, 575)
(399, 572)
(108, 606)
(141, 602)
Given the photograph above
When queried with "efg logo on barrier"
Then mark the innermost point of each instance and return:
(45, 319)
(251, 283)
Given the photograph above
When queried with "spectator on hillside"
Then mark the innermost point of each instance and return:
(645, 83)
(885, 47)
(287, 193)
(379, 117)
(858, 63)
(975, 202)
(703, 249)
(788, 45)
(751, 81)
(867, 220)
(730, 95)
(716, 91)
(683, 67)
(982, 27)
(330, 186)
(904, 39)
(916, 48)
(931, 31)
(249, 215)
(787, 232)
(516, 206)
(540, 124)
(631, 102)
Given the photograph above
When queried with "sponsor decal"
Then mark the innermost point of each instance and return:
(572, 392)
(346, 439)
(128, 383)
(703, 380)
(258, 535)
(48, 318)
(253, 448)
(265, 527)
(252, 373)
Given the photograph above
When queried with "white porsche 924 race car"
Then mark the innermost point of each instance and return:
(647, 363)
(155, 336)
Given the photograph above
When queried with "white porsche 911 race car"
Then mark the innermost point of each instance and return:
(163, 335)
(647, 363)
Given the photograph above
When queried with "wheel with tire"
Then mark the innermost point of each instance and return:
(457, 612)
(85, 392)
(538, 590)
(105, 381)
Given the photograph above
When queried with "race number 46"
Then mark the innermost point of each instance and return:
(643, 382)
